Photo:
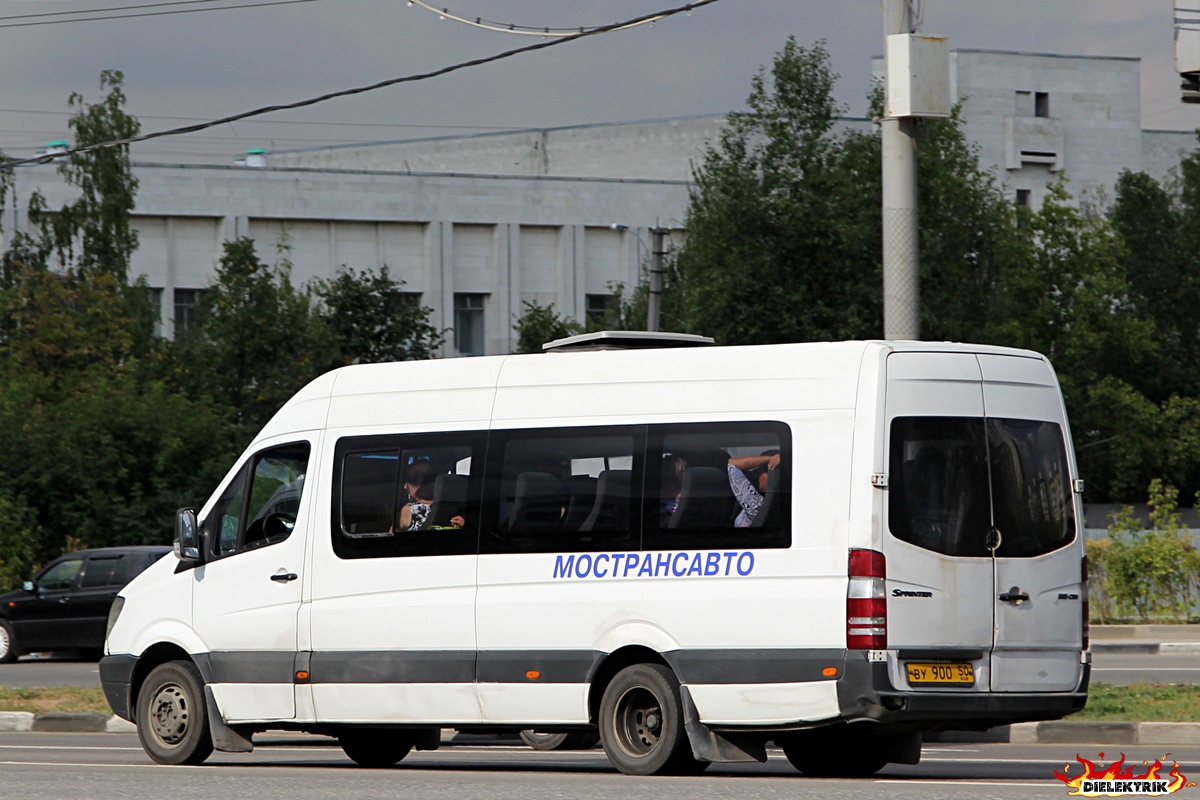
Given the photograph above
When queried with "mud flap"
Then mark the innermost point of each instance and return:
(724, 747)
(225, 738)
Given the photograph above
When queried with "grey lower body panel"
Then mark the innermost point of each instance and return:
(866, 693)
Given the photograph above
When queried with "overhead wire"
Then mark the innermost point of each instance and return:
(148, 13)
(616, 26)
(514, 28)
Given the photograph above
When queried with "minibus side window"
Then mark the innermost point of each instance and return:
(407, 495)
(260, 505)
(719, 485)
(565, 490)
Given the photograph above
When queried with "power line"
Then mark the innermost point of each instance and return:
(104, 10)
(151, 13)
(520, 30)
(294, 121)
(372, 87)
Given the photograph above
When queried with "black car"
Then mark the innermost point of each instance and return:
(66, 606)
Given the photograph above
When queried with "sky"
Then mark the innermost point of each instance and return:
(220, 58)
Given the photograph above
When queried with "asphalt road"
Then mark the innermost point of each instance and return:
(1107, 667)
(43, 766)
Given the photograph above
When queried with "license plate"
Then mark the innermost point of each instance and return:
(956, 674)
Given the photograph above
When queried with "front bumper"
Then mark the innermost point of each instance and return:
(116, 679)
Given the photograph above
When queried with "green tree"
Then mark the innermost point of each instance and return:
(540, 324)
(18, 532)
(370, 319)
(772, 253)
(255, 341)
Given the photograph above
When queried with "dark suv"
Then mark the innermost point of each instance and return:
(66, 606)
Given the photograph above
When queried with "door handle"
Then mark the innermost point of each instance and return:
(1014, 595)
(284, 577)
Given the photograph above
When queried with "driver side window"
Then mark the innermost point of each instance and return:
(260, 505)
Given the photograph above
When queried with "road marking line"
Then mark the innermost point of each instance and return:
(61, 747)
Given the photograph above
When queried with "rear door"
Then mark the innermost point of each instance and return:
(103, 576)
(1035, 511)
(940, 588)
(983, 555)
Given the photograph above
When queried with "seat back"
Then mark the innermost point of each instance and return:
(537, 503)
(610, 512)
(706, 501)
(449, 499)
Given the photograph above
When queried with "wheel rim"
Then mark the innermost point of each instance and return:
(170, 714)
(5, 642)
(639, 721)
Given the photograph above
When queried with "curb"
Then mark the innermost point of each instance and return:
(1098, 733)
(63, 722)
(1147, 648)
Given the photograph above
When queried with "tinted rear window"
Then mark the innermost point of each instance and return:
(952, 480)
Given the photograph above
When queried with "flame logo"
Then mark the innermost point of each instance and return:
(1117, 771)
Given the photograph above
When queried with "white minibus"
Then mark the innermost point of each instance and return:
(692, 552)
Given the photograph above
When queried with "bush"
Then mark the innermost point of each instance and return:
(1145, 574)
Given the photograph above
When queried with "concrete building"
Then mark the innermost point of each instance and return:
(478, 225)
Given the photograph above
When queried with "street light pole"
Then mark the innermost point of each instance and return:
(654, 299)
(901, 251)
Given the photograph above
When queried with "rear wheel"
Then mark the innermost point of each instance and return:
(375, 749)
(8, 643)
(172, 722)
(835, 756)
(575, 740)
(641, 723)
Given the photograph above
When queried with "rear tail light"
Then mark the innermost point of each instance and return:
(1083, 593)
(866, 601)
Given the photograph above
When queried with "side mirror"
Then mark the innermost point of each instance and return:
(187, 535)
(28, 586)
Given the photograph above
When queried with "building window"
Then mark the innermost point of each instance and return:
(154, 298)
(468, 324)
(186, 301)
(596, 308)
(1041, 104)
(1023, 198)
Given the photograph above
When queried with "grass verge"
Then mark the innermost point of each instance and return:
(1139, 702)
(58, 698)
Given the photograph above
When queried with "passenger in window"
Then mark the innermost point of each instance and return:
(671, 488)
(748, 477)
(418, 482)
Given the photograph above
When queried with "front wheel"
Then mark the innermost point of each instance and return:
(172, 722)
(575, 740)
(8, 643)
(375, 749)
(641, 723)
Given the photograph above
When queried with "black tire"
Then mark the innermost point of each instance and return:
(8, 643)
(641, 723)
(575, 740)
(374, 749)
(172, 721)
(841, 757)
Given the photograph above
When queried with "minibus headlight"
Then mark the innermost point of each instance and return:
(113, 613)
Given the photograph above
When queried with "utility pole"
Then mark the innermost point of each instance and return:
(901, 250)
(654, 299)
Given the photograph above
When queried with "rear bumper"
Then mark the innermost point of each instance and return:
(116, 678)
(866, 693)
